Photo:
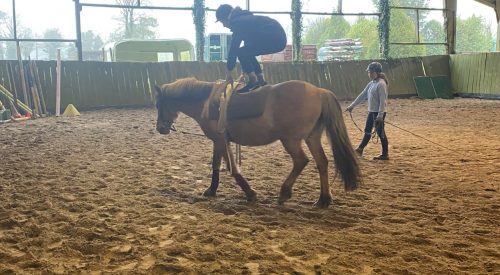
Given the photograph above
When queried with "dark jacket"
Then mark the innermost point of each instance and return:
(257, 31)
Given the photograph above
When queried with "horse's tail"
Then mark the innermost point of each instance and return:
(345, 158)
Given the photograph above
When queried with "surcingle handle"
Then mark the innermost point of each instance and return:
(233, 166)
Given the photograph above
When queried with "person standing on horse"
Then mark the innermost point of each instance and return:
(376, 94)
(260, 34)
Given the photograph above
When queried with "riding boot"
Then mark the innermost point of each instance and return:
(260, 80)
(250, 86)
(385, 149)
(385, 146)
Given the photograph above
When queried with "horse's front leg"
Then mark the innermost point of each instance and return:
(216, 162)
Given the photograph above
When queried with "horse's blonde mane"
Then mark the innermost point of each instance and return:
(188, 89)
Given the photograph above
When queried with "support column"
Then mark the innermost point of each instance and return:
(450, 16)
(497, 11)
(384, 27)
(78, 9)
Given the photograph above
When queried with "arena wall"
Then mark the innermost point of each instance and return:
(476, 75)
(92, 84)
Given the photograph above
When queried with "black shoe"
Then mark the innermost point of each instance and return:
(256, 87)
(381, 157)
(250, 86)
(261, 83)
(359, 151)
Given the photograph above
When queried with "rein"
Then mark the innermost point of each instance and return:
(374, 137)
(395, 126)
(442, 146)
(174, 129)
(355, 124)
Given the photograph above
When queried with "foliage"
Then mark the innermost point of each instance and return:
(26, 47)
(4, 22)
(51, 48)
(403, 29)
(322, 29)
(199, 23)
(473, 35)
(296, 29)
(433, 32)
(366, 30)
(7, 31)
(132, 25)
(422, 14)
(91, 41)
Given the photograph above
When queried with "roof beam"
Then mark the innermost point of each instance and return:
(489, 3)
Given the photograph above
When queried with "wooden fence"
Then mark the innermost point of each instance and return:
(91, 84)
(476, 75)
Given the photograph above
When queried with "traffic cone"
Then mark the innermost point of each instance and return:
(70, 111)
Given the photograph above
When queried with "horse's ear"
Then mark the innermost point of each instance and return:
(157, 91)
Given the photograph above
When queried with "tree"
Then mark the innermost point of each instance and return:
(26, 47)
(422, 14)
(433, 32)
(323, 29)
(7, 31)
(402, 29)
(51, 47)
(132, 25)
(473, 35)
(411, 4)
(366, 30)
(91, 41)
(3, 23)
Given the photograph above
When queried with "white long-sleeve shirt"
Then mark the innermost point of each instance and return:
(376, 94)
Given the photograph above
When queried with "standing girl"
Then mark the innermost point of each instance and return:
(376, 94)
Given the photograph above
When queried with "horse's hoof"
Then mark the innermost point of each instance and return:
(209, 193)
(251, 196)
(284, 196)
(323, 203)
(282, 199)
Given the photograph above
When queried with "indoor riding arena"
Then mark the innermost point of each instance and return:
(98, 190)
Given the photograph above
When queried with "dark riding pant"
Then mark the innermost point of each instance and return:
(266, 45)
(370, 123)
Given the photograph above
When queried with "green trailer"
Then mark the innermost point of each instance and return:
(151, 50)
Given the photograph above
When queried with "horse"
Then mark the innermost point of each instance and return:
(291, 112)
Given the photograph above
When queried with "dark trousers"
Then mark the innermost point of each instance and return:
(266, 45)
(370, 123)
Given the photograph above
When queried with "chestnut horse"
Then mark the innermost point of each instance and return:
(292, 112)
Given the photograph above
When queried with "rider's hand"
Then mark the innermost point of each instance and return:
(349, 109)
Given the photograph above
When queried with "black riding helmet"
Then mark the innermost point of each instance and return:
(223, 12)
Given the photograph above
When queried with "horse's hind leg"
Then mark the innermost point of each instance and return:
(300, 160)
(314, 144)
(235, 172)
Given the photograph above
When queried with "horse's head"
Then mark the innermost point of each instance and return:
(166, 114)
